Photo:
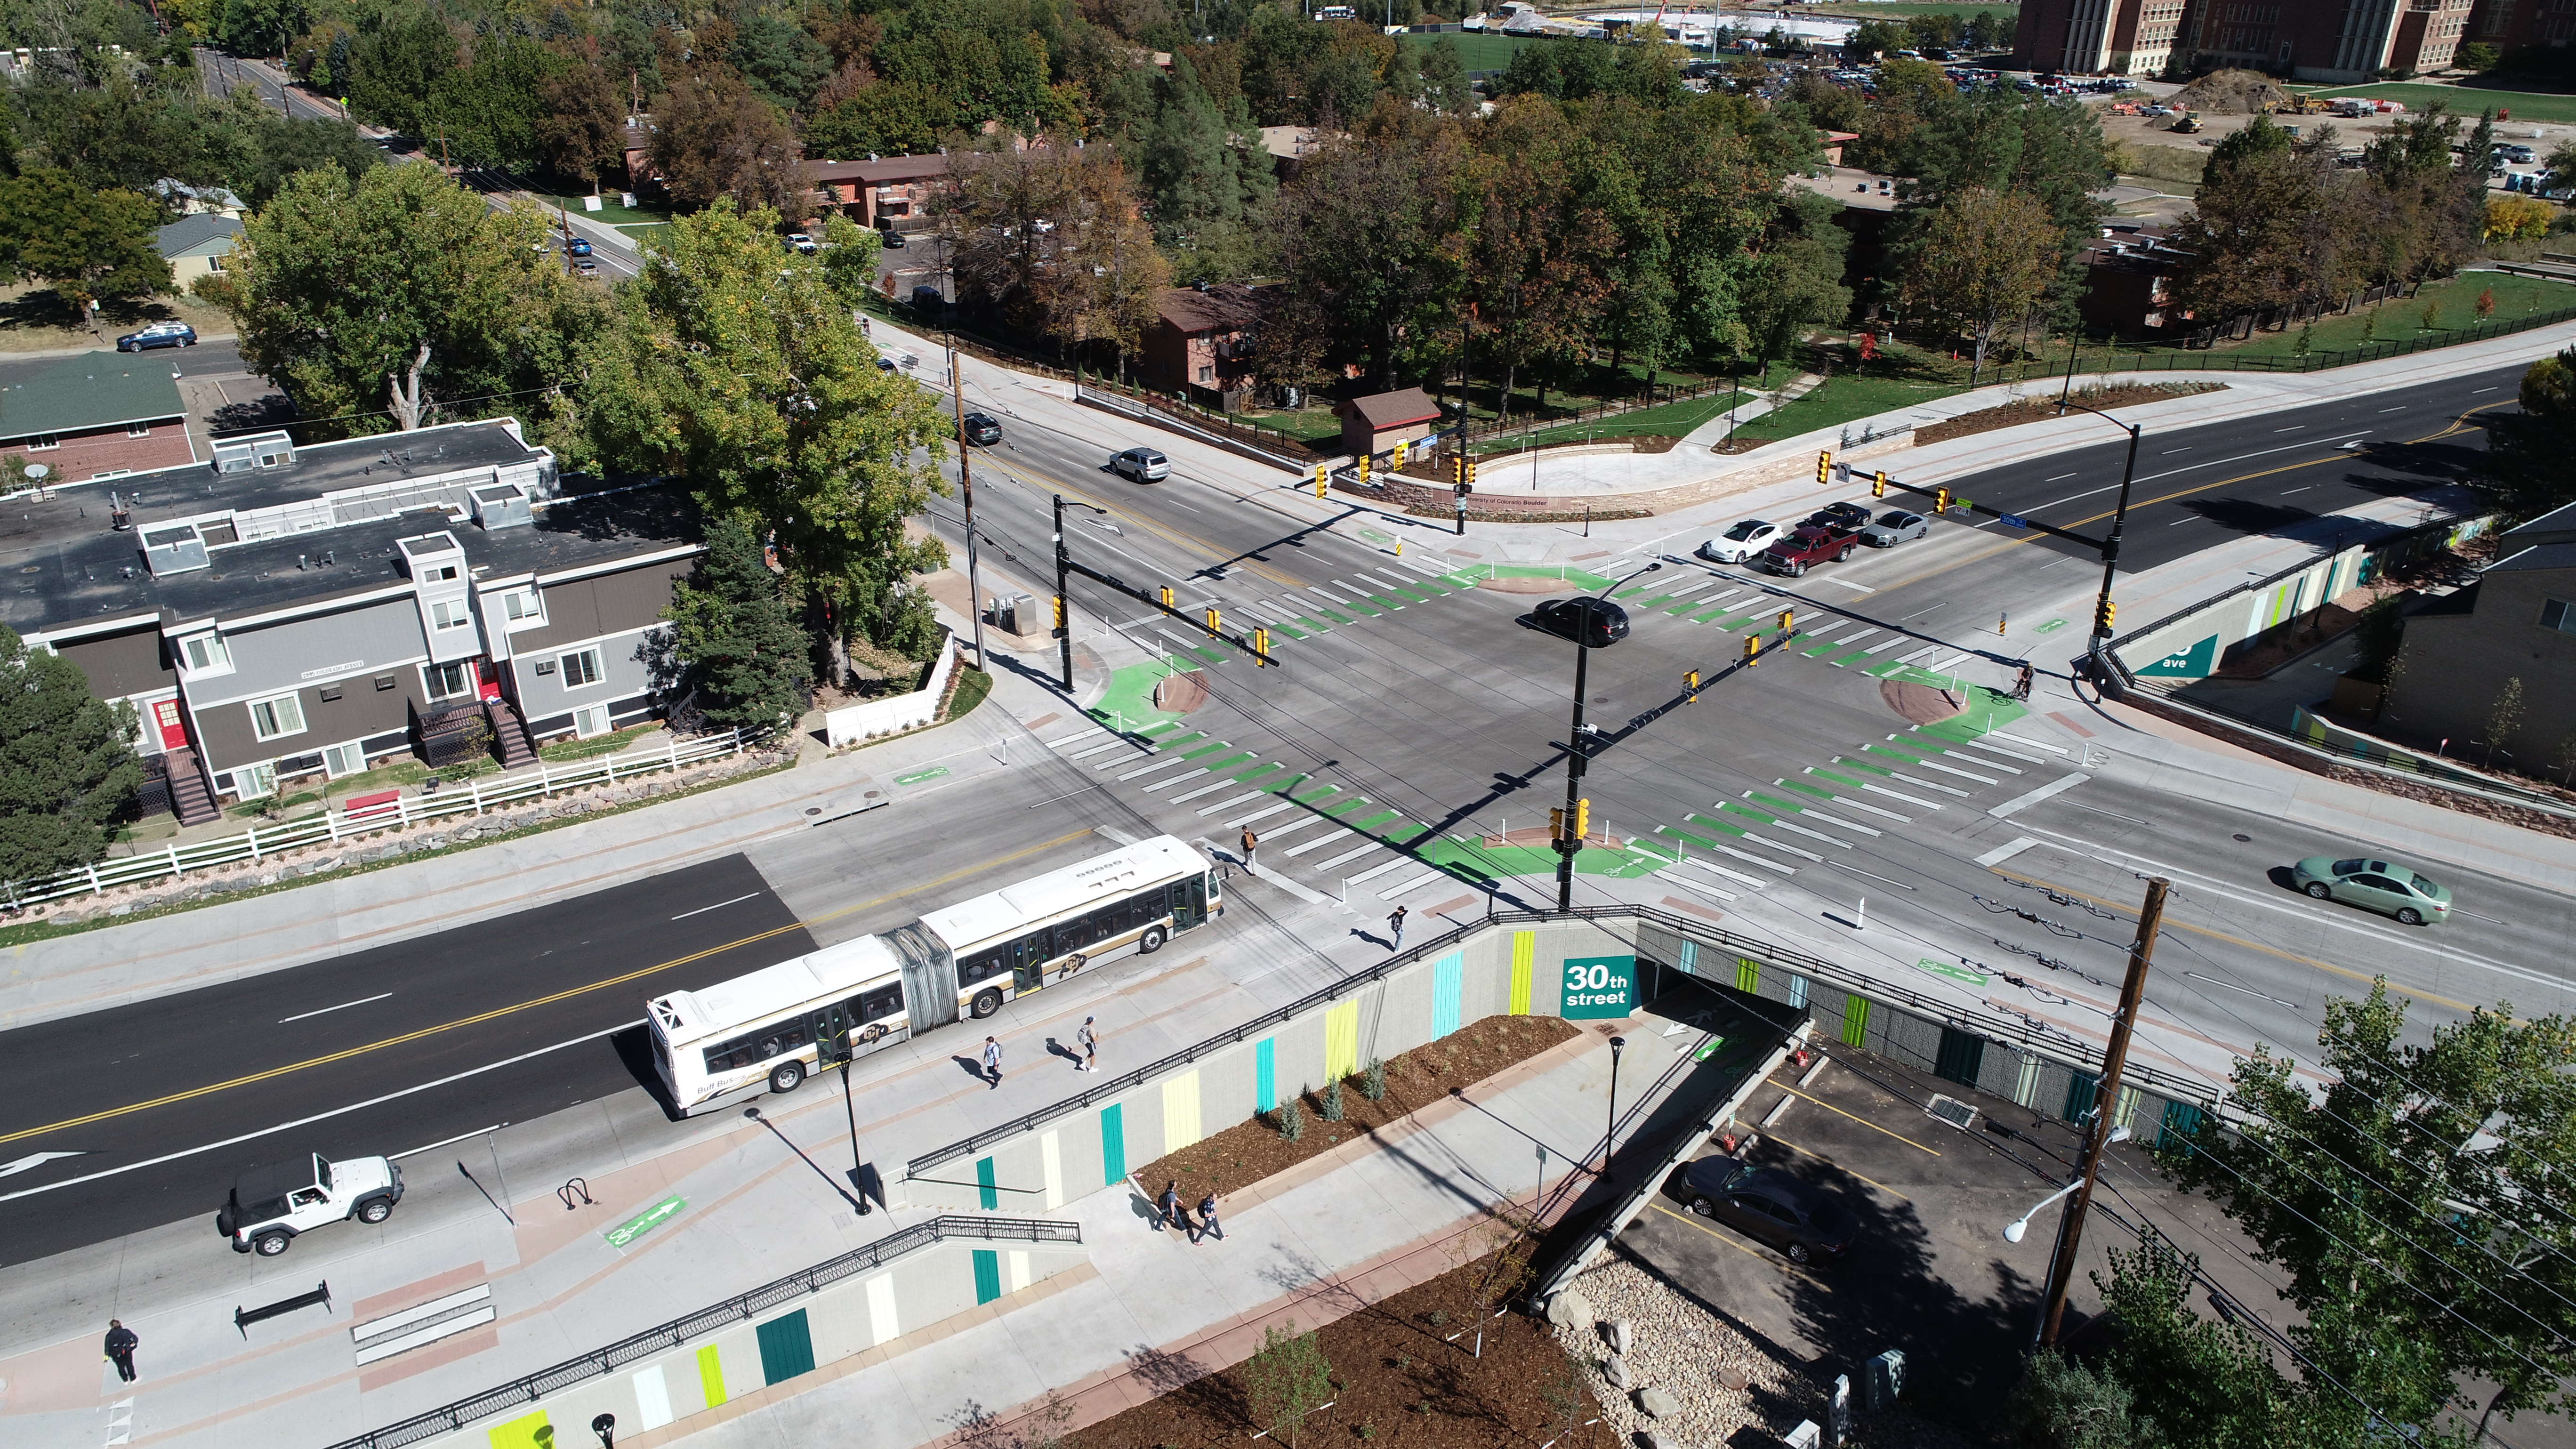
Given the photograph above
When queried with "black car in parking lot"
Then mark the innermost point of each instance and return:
(1804, 1222)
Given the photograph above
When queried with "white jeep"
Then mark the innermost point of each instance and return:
(270, 1205)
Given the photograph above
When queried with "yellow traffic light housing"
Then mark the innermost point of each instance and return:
(1824, 466)
(1556, 824)
(1752, 650)
(1582, 820)
(1395, 464)
(1470, 479)
(1690, 681)
(2105, 613)
(1878, 485)
(1167, 596)
(1261, 644)
(1365, 460)
(1321, 474)
(1940, 500)
(1059, 613)
(1458, 468)
(1788, 622)
(1214, 623)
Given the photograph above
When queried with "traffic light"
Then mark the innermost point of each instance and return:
(1364, 469)
(1470, 479)
(1556, 824)
(1690, 681)
(1059, 614)
(1940, 500)
(1260, 644)
(1788, 622)
(1582, 820)
(1752, 650)
(2103, 614)
(1824, 466)
(1322, 473)
(1396, 464)
(1458, 470)
(1167, 596)
(1878, 485)
(1214, 624)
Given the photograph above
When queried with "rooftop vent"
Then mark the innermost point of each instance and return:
(500, 505)
(173, 548)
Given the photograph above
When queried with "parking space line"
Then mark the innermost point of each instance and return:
(1864, 1121)
(1783, 1264)
(1770, 1136)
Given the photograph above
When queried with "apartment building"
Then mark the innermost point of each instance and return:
(2325, 41)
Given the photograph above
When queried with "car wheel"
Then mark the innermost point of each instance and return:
(269, 1245)
(375, 1210)
(2409, 916)
(1845, 554)
(1703, 1207)
(987, 1002)
(1151, 941)
(1797, 1253)
(2321, 890)
(786, 1077)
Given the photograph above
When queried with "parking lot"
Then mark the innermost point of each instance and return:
(1930, 1273)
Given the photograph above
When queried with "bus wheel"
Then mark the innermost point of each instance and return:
(986, 1003)
(1151, 941)
(786, 1076)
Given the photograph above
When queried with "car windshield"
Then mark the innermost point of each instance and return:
(2349, 867)
(2424, 883)
(1740, 1177)
(1745, 530)
(1895, 520)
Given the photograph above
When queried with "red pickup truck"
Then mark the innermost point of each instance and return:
(1811, 544)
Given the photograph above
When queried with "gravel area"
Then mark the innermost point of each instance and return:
(1723, 1378)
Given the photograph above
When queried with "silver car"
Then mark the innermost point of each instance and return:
(1894, 526)
(1740, 542)
(1142, 464)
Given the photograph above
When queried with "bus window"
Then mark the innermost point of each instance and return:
(881, 1002)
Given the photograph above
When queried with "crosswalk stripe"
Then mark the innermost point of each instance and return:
(1919, 653)
(1915, 780)
(1988, 749)
(1237, 800)
(1944, 664)
(1194, 794)
(1694, 588)
(1435, 570)
(1097, 750)
(1843, 799)
(1057, 744)
(1886, 644)
(1855, 634)
(1368, 595)
(1319, 842)
(1242, 820)
(1414, 884)
(1295, 826)
(1764, 862)
(1809, 812)
(1694, 885)
(1714, 868)
(1962, 774)
(1378, 870)
(1777, 845)
(1149, 769)
(1348, 855)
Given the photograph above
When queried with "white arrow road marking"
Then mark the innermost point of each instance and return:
(38, 1159)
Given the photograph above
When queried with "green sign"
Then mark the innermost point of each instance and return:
(2051, 626)
(1598, 986)
(2192, 663)
(915, 777)
(645, 1221)
(1952, 970)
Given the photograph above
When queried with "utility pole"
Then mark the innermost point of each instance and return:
(1063, 615)
(1569, 842)
(966, 491)
(2097, 1129)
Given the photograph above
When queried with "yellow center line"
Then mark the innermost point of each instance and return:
(1864, 1121)
(1780, 1263)
(497, 1013)
(1836, 1166)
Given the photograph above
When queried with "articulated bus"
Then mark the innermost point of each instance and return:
(878, 990)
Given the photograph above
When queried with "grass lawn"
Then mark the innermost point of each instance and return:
(33, 319)
(609, 213)
(2401, 318)
(2468, 100)
(1845, 397)
(1871, 9)
(1480, 52)
(607, 744)
(1668, 420)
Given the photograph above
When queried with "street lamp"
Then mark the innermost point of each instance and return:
(605, 1426)
(1567, 848)
(2016, 1229)
(1618, 1044)
(1063, 611)
(2111, 545)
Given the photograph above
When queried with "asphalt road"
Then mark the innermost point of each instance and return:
(513, 1016)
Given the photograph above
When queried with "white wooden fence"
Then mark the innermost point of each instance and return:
(473, 797)
(903, 712)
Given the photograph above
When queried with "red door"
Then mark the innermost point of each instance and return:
(487, 680)
(174, 731)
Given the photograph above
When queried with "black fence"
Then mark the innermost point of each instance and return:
(599, 1363)
(2322, 359)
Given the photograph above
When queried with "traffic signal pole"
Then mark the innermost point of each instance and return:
(2111, 547)
(1063, 619)
(1569, 842)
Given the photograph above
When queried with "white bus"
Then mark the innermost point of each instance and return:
(878, 990)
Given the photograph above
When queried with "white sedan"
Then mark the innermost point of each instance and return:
(1741, 542)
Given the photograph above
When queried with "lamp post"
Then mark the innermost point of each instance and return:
(2018, 1227)
(1567, 847)
(2110, 545)
(966, 491)
(605, 1426)
(1063, 609)
(1610, 1137)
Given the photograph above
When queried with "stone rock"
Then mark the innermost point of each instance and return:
(1615, 1369)
(1656, 1440)
(1734, 1377)
(1570, 1309)
(125, 910)
(1657, 1404)
(1621, 1334)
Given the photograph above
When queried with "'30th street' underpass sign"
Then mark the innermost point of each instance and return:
(1598, 986)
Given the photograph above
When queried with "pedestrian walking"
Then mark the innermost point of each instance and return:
(993, 1061)
(1207, 1218)
(121, 1344)
(1089, 1037)
(1167, 1208)
(1250, 841)
(1395, 929)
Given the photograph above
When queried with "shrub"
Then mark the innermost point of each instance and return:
(1373, 1085)
(1333, 1100)
(1292, 1121)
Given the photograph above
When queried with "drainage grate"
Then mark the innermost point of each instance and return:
(1953, 1111)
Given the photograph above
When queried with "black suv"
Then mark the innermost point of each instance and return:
(1840, 517)
(1592, 623)
(982, 430)
(1763, 1202)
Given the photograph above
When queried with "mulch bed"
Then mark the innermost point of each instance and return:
(1398, 1379)
(1252, 1150)
(2035, 410)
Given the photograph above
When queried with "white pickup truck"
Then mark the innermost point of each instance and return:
(269, 1206)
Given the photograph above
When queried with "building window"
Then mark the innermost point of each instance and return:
(450, 614)
(205, 654)
(1207, 374)
(38, 443)
(138, 430)
(590, 720)
(2558, 614)
(214, 264)
(580, 668)
(273, 719)
(251, 782)
(448, 681)
(434, 573)
(523, 606)
(348, 759)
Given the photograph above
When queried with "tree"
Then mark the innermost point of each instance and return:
(2527, 473)
(399, 297)
(850, 258)
(1362, 238)
(581, 124)
(1982, 264)
(2411, 1200)
(2209, 1384)
(1286, 1379)
(87, 245)
(2504, 716)
(733, 622)
(2258, 137)
(1203, 169)
(67, 767)
(2263, 235)
(718, 140)
(1797, 280)
(737, 366)
(2060, 1403)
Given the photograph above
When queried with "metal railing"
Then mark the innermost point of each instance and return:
(598, 1363)
(2028, 1035)
(331, 827)
(2320, 361)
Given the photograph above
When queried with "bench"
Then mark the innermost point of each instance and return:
(378, 803)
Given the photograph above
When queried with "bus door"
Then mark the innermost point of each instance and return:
(1028, 961)
(1189, 902)
(831, 1028)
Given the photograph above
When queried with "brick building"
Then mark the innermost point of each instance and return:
(1200, 342)
(2325, 41)
(99, 415)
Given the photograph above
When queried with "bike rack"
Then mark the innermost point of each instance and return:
(572, 1188)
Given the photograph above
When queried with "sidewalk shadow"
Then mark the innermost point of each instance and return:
(1373, 938)
(970, 1066)
(1056, 1048)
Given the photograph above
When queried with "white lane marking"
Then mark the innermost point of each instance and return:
(1097, 750)
(1194, 794)
(2248, 990)
(379, 996)
(33, 1160)
(1985, 749)
(1373, 872)
(1944, 664)
(1371, 596)
(325, 1116)
(1892, 641)
(1764, 861)
(1293, 827)
(2022, 802)
(419, 1313)
(2401, 407)
(2005, 852)
(1320, 841)
(2473, 392)
(1793, 850)
(1918, 781)
(1901, 795)
(1856, 870)
(1813, 814)
(2062, 477)
(1850, 804)
(1414, 883)
(2286, 492)
(1057, 744)
(2292, 428)
(1237, 800)
(2019, 740)
(1962, 774)
(1855, 636)
(1150, 769)
(1713, 868)
(2189, 467)
(1810, 834)
(1346, 855)
(1693, 886)
(1329, 597)
(1242, 820)
(1919, 653)
(2179, 522)
(682, 916)
(1846, 583)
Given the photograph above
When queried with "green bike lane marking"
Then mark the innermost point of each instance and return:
(1368, 609)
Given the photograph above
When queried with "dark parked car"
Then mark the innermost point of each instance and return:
(1894, 526)
(982, 429)
(890, 239)
(1592, 623)
(1844, 517)
(158, 334)
(1808, 546)
(1802, 1221)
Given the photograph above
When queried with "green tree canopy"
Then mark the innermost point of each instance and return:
(67, 767)
(87, 245)
(2528, 452)
(1982, 264)
(734, 622)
